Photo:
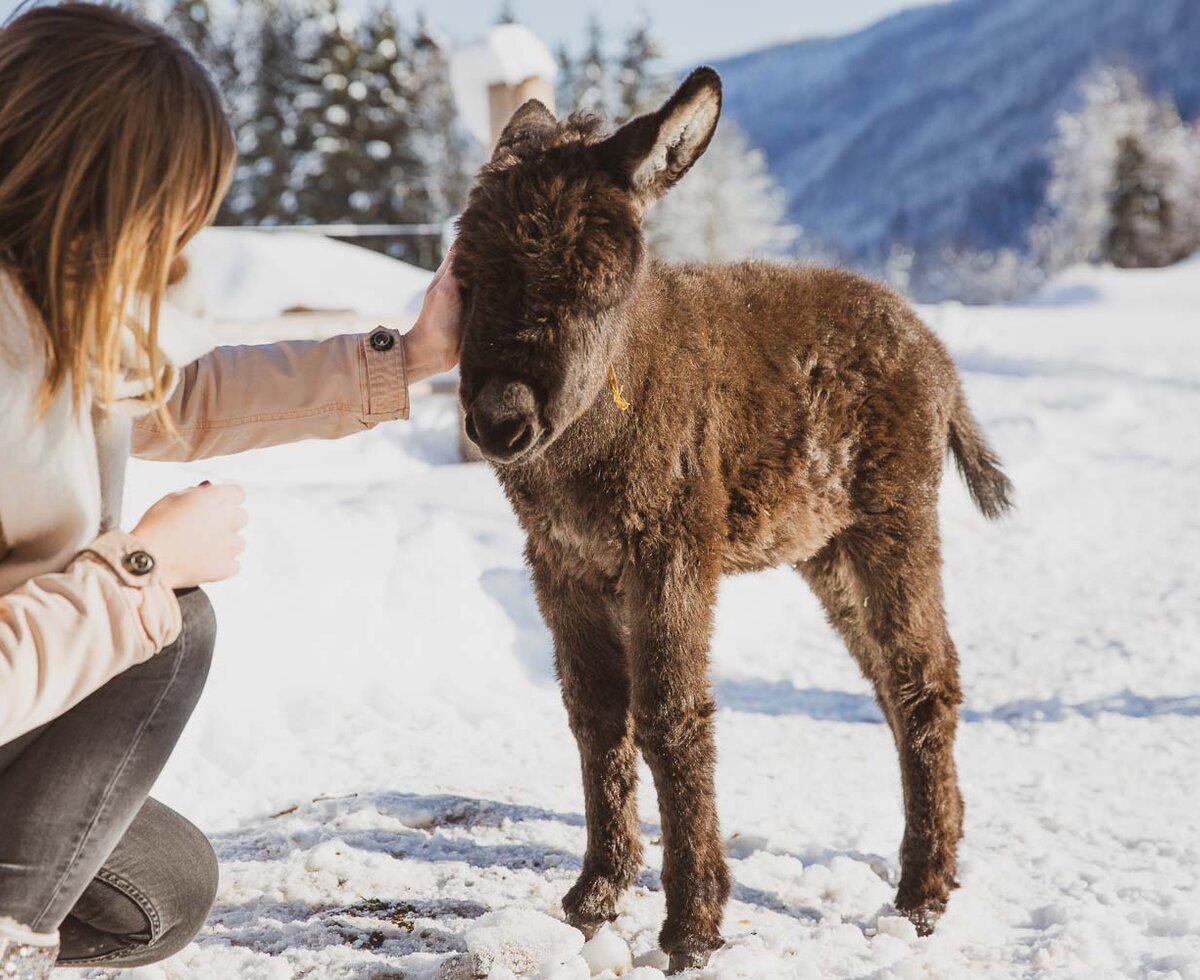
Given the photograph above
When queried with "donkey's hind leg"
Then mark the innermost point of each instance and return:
(881, 588)
(592, 670)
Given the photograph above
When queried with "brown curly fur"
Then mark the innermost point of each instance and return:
(780, 414)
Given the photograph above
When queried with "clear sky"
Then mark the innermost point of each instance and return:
(690, 30)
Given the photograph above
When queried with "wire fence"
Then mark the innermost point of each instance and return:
(424, 243)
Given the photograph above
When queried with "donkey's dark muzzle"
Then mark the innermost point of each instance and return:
(503, 420)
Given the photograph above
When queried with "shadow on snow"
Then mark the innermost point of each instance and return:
(423, 828)
(784, 698)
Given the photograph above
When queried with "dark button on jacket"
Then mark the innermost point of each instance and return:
(138, 563)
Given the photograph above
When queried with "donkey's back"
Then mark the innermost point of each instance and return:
(821, 395)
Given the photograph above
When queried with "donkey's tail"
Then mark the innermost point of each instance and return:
(978, 463)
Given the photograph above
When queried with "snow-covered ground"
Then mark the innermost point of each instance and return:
(385, 767)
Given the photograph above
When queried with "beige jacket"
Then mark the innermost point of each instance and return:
(74, 612)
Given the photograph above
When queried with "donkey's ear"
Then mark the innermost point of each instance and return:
(528, 126)
(650, 153)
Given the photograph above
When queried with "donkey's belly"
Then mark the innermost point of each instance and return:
(782, 529)
(591, 547)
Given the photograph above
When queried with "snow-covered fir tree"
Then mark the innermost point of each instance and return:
(440, 143)
(728, 206)
(507, 14)
(193, 22)
(1140, 211)
(328, 172)
(369, 161)
(338, 117)
(972, 275)
(565, 81)
(381, 141)
(1125, 179)
(592, 88)
(386, 123)
(268, 136)
(640, 84)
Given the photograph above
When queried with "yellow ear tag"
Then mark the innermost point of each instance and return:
(615, 387)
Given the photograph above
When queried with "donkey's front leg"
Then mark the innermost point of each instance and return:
(592, 670)
(669, 612)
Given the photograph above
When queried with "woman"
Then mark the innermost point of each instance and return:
(114, 152)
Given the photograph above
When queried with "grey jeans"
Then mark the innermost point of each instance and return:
(83, 849)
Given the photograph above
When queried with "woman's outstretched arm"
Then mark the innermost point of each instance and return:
(239, 398)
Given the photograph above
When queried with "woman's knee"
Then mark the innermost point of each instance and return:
(184, 913)
(149, 900)
(179, 921)
(199, 630)
(179, 887)
(195, 644)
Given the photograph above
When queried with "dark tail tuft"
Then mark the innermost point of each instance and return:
(978, 463)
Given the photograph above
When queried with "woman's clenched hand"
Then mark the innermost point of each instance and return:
(195, 535)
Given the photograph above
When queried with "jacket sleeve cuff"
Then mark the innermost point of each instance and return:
(151, 600)
(127, 557)
(384, 376)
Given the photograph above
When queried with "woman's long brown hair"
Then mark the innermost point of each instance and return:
(114, 151)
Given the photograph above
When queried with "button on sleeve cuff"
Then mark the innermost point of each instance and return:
(384, 376)
(126, 556)
(146, 595)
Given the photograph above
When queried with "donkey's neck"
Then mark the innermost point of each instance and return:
(664, 328)
(658, 330)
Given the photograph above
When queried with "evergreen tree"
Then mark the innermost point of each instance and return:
(212, 41)
(639, 87)
(1140, 216)
(728, 207)
(263, 189)
(327, 176)
(441, 144)
(591, 83)
(387, 136)
(336, 120)
(1125, 179)
(192, 22)
(566, 82)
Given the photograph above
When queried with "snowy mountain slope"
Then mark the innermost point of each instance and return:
(930, 127)
(390, 660)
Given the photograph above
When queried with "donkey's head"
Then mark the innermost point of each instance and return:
(549, 248)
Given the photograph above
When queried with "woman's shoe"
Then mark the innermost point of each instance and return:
(24, 954)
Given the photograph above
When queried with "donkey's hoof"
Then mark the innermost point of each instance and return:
(922, 900)
(688, 961)
(588, 927)
(590, 903)
(925, 916)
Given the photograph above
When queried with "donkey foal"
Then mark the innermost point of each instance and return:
(776, 414)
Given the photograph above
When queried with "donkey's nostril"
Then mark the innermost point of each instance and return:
(512, 433)
(504, 438)
(502, 420)
(520, 438)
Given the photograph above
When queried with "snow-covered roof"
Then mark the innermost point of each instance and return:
(253, 275)
(509, 54)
